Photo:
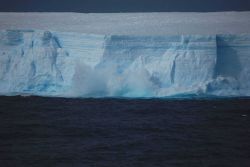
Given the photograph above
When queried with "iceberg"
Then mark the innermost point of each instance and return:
(132, 63)
(67, 64)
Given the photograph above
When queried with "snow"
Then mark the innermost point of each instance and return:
(131, 23)
(112, 61)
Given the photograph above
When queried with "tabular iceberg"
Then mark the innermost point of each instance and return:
(68, 64)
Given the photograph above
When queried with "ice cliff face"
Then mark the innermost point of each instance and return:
(80, 65)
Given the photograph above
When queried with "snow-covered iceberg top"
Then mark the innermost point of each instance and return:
(68, 64)
(131, 23)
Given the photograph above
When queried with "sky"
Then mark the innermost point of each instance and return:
(109, 6)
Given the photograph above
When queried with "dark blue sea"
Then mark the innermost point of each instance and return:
(59, 132)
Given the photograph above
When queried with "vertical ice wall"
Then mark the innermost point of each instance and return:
(173, 64)
(42, 62)
(81, 65)
(232, 70)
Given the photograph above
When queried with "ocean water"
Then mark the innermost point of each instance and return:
(59, 132)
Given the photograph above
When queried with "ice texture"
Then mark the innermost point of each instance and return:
(70, 64)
